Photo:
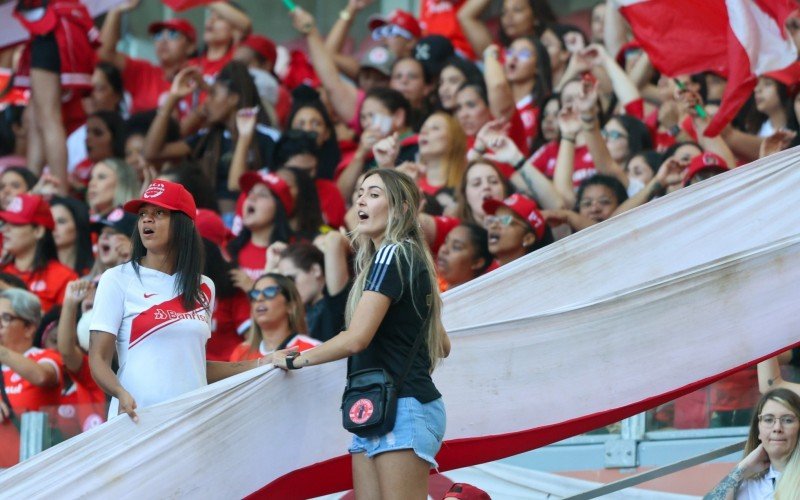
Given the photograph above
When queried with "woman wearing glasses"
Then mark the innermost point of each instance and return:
(516, 227)
(393, 303)
(156, 309)
(278, 319)
(771, 464)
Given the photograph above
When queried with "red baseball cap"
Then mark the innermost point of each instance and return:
(28, 209)
(263, 46)
(177, 24)
(398, 17)
(211, 227)
(522, 206)
(466, 491)
(165, 194)
(275, 184)
(789, 76)
(705, 161)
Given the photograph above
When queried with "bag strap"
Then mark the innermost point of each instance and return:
(3, 394)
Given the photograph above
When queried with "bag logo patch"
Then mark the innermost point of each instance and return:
(361, 411)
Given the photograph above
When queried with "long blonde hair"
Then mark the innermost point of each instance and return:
(294, 304)
(789, 484)
(403, 230)
(455, 160)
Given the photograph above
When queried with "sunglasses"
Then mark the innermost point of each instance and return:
(613, 134)
(503, 220)
(390, 30)
(268, 293)
(522, 54)
(166, 35)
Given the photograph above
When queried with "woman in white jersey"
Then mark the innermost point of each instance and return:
(155, 309)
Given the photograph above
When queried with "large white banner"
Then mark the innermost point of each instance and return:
(599, 326)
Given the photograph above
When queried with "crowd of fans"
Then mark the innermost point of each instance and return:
(518, 131)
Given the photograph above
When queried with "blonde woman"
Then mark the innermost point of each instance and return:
(393, 301)
(278, 319)
(771, 464)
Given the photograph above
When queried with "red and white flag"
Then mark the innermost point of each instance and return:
(739, 39)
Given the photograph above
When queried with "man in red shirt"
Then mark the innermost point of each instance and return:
(175, 40)
(32, 376)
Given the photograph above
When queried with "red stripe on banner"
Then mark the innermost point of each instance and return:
(334, 475)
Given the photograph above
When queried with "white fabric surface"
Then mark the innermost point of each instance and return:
(687, 287)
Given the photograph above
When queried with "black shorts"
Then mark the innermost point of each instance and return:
(44, 53)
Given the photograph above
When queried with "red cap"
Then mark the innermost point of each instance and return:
(28, 209)
(275, 184)
(165, 194)
(211, 227)
(522, 206)
(705, 161)
(789, 76)
(263, 46)
(177, 24)
(466, 491)
(632, 45)
(398, 17)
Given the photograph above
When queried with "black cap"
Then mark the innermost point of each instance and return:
(433, 51)
(119, 220)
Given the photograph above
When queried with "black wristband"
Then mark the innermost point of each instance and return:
(520, 164)
(290, 362)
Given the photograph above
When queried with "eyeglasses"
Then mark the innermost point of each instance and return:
(390, 30)
(588, 203)
(503, 220)
(769, 420)
(166, 35)
(268, 293)
(521, 54)
(6, 319)
(613, 134)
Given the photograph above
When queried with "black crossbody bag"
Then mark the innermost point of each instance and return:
(369, 402)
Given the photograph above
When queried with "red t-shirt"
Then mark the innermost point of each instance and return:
(545, 160)
(210, 68)
(49, 284)
(331, 202)
(301, 342)
(23, 395)
(253, 260)
(83, 405)
(529, 115)
(438, 17)
(227, 324)
(145, 82)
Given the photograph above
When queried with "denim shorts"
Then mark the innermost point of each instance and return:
(419, 427)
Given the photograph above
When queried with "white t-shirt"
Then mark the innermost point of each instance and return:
(160, 346)
(762, 488)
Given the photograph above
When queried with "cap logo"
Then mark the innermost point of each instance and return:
(115, 215)
(710, 160)
(422, 52)
(155, 190)
(15, 206)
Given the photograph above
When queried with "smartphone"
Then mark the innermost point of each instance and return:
(382, 123)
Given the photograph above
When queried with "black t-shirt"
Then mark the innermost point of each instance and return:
(325, 318)
(404, 321)
(264, 140)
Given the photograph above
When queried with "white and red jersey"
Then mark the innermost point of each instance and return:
(545, 160)
(23, 395)
(298, 340)
(529, 114)
(160, 345)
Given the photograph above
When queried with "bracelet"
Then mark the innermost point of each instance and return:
(520, 164)
(344, 15)
(568, 139)
(290, 362)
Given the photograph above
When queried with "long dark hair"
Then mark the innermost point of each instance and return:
(114, 77)
(281, 231)
(84, 258)
(639, 138)
(479, 239)
(45, 252)
(329, 153)
(235, 77)
(218, 270)
(186, 250)
(542, 13)
(544, 73)
(116, 127)
(309, 212)
(608, 181)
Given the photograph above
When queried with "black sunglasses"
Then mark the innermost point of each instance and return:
(268, 293)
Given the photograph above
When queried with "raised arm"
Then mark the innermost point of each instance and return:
(71, 353)
(687, 101)
(110, 34)
(624, 88)
(469, 17)
(569, 123)
(501, 99)
(615, 29)
(334, 42)
(343, 95)
(769, 377)
(155, 148)
(245, 126)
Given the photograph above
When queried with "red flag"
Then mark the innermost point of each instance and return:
(740, 39)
